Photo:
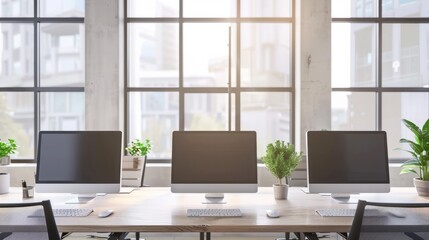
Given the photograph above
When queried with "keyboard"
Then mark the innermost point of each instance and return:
(66, 212)
(223, 212)
(340, 212)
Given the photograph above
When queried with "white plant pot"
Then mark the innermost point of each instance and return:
(4, 183)
(133, 162)
(280, 191)
(422, 187)
(5, 160)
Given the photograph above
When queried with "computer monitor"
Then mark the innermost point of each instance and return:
(346, 162)
(214, 162)
(81, 162)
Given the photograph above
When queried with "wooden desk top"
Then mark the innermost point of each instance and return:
(159, 210)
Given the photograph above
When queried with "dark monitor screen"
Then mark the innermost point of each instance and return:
(214, 157)
(347, 157)
(79, 157)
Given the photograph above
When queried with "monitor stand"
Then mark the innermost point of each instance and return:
(81, 199)
(343, 198)
(214, 198)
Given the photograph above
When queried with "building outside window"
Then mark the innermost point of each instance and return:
(42, 75)
(380, 67)
(180, 59)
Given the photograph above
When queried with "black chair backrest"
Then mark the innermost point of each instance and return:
(33, 220)
(375, 220)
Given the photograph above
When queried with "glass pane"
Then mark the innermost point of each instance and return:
(153, 55)
(405, 55)
(62, 8)
(269, 114)
(62, 54)
(17, 8)
(205, 54)
(209, 8)
(62, 111)
(354, 8)
(17, 55)
(153, 8)
(266, 55)
(354, 55)
(206, 111)
(17, 121)
(353, 111)
(405, 8)
(266, 8)
(396, 106)
(154, 115)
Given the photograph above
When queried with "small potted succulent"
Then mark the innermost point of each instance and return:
(6, 149)
(281, 160)
(419, 150)
(138, 149)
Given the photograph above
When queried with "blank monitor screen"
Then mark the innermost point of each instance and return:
(347, 157)
(79, 157)
(214, 157)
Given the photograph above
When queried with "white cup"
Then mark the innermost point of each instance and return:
(4, 183)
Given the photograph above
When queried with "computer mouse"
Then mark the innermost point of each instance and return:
(105, 213)
(271, 213)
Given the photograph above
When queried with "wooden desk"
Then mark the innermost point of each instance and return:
(159, 210)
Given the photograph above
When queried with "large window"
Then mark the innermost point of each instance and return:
(42, 69)
(209, 65)
(380, 66)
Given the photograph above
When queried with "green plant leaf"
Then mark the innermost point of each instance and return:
(281, 159)
(411, 163)
(405, 150)
(8, 148)
(425, 127)
(138, 147)
(408, 170)
(416, 147)
(420, 150)
(413, 127)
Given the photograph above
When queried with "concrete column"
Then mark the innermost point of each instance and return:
(313, 68)
(104, 60)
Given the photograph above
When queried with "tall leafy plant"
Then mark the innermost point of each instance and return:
(7, 148)
(281, 159)
(419, 150)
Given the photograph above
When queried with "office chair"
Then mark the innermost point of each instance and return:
(408, 221)
(387, 221)
(36, 227)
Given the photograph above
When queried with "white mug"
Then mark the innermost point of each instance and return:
(4, 183)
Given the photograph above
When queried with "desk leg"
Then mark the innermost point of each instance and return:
(208, 236)
(202, 236)
(117, 236)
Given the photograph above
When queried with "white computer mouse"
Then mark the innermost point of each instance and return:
(105, 213)
(271, 213)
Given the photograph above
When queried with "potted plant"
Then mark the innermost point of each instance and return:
(137, 151)
(7, 148)
(418, 164)
(281, 160)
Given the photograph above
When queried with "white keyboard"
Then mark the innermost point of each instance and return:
(340, 212)
(66, 212)
(231, 212)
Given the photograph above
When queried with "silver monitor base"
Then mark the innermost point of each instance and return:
(81, 199)
(344, 198)
(214, 198)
